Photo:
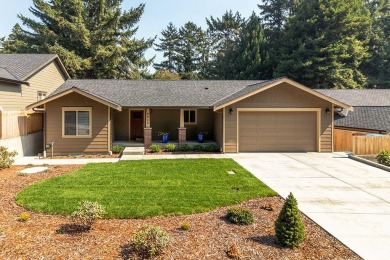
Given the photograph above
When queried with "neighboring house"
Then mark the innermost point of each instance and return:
(87, 116)
(24, 79)
(371, 110)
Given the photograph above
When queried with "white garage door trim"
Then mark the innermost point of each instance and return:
(317, 110)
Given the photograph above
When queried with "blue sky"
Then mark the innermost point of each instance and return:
(157, 15)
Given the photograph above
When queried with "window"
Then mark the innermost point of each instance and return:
(41, 95)
(76, 122)
(190, 117)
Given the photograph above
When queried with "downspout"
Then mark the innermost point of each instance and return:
(43, 112)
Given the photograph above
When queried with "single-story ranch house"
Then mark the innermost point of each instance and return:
(87, 116)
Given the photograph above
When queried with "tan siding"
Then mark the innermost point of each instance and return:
(121, 125)
(205, 119)
(99, 141)
(165, 120)
(281, 96)
(13, 97)
(218, 127)
(10, 96)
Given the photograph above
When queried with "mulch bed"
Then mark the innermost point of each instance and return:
(84, 156)
(162, 152)
(54, 237)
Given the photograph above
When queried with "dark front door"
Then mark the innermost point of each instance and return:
(137, 124)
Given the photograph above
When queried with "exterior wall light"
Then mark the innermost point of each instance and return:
(231, 111)
(327, 111)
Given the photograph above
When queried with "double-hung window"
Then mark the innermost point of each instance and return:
(77, 122)
(190, 117)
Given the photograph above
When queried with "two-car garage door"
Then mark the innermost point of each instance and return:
(277, 131)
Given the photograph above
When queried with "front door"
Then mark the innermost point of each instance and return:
(137, 125)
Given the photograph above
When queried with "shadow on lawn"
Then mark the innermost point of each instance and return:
(72, 229)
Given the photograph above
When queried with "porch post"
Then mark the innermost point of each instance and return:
(182, 129)
(147, 137)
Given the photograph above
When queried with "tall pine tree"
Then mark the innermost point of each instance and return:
(168, 45)
(224, 36)
(252, 58)
(94, 38)
(325, 43)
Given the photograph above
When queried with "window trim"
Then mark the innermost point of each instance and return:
(39, 93)
(189, 116)
(81, 109)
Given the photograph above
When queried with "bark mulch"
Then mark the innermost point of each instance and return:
(209, 237)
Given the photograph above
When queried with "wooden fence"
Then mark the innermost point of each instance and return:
(358, 143)
(363, 145)
(14, 123)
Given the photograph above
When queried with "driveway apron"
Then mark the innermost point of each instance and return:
(349, 199)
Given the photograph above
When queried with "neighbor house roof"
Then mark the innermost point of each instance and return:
(181, 93)
(371, 108)
(19, 67)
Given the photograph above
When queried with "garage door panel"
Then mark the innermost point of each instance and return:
(277, 131)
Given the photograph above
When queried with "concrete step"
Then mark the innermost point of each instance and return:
(134, 151)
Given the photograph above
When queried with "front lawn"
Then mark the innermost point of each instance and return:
(137, 189)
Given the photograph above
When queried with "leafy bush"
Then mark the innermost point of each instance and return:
(384, 157)
(289, 227)
(87, 213)
(170, 147)
(24, 217)
(240, 216)
(150, 241)
(198, 148)
(185, 148)
(6, 157)
(117, 149)
(212, 148)
(185, 225)
(155, 148)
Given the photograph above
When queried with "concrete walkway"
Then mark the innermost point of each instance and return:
(349, 199)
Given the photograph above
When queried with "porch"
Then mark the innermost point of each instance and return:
(190, 143)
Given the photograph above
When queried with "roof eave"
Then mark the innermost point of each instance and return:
(81, 92)
(291, 82)
(16, 82)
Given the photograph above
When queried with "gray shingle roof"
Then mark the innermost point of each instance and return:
(21, 66)
(161, 93)
(359, 97)
(375, 118)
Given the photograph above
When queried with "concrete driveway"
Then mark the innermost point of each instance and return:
(349, 199)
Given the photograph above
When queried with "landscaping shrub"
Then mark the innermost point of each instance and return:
(234, 252)
(155, 148)
(198, 148)
(150, 241)
(6, 157)
(212, 148)
(87, 213)
(240, 216)
(185, 226)
(24, 217)
(289, 227)
(185, 148)
(170, 147)
(117, 149)
(384, 157)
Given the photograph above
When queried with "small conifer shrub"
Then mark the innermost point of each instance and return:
(240, 216)
(155, 148)
(289, 228)
(24, 217)
(185, 226)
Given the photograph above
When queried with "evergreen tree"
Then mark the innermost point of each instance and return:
(274, 15)
(289, 228)
(189, 50)
(168, 45)
(252, 56)
(165, 75)
(325, 43)
(224, 35)
(94, 38)
(377, 66)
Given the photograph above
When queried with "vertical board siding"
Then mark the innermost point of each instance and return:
(367, 145)
(19, 123)
(218, 127)
(167, 120)
(121, 125)
(99, 141)
(205, 122)
(281, 96)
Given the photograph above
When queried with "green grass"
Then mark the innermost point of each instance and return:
(138, 189)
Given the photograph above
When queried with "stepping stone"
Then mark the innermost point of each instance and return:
(33, 170)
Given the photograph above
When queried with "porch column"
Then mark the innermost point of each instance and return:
(147, 137)
(182, 129)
